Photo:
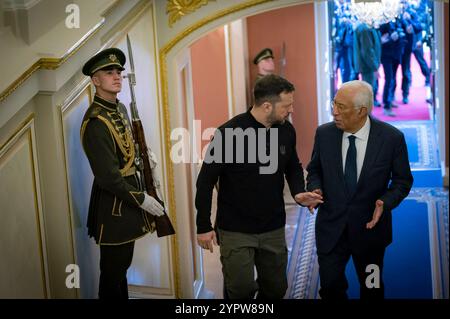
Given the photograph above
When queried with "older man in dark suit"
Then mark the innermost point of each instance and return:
(360, 165)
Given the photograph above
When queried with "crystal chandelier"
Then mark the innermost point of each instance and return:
(375, 13)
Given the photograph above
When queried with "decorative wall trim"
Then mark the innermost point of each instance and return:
(223, 13)
(76, 92)
(229, 64)
(115, 34)
(26, 128)
(14, 135)
(50, 63)
(176, 9)
(111, 7)
(19, 81)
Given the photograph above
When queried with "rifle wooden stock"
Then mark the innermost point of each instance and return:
(163, 225)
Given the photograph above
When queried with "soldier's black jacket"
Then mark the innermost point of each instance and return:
(248, 201)
(115, 216)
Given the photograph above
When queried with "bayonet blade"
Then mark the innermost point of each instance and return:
(283, 59)
(132, 82)
(130, 54)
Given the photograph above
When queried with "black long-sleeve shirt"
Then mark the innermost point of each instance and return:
(249, 200)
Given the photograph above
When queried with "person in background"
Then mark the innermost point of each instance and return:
(343, 42)
(423, 17)
(392, 46)
(264, 60)
(367, 53)
(411, 27)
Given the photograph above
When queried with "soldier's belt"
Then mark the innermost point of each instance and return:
(131, 171)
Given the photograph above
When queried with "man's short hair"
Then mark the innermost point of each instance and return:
(269, 87)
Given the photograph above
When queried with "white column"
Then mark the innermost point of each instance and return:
(323, 61)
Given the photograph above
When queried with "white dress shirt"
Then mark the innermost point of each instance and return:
(361, 139)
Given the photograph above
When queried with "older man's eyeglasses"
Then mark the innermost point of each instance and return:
(338, 106)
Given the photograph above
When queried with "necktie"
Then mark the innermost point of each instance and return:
(350, 166)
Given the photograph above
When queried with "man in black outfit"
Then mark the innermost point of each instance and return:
(392, 46)
(250, 155)
(360, 165)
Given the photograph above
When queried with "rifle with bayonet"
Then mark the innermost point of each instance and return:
(142, 160)
(283, 60)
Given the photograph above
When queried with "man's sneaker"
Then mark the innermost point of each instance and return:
(405, 100)
(388, 112)
(376, 103)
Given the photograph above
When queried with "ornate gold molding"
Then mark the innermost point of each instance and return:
(26, 131)
(176, 9)
(18, 82)
(50, 63)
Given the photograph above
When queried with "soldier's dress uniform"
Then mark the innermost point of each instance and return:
(115, 218)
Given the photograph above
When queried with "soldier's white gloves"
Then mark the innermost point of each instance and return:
(153, 159)
(152, 206)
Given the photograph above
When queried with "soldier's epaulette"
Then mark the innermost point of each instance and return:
(94, 111)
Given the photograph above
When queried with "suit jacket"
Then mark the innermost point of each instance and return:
(392, 50)
(385, 175)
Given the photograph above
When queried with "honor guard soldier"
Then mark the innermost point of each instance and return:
(119, 208)
(265, 63)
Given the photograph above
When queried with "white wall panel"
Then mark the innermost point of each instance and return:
(23, 271)
(80, 183)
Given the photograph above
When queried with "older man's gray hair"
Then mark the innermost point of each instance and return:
(363, 94)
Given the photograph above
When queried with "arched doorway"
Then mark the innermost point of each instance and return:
(173, 114)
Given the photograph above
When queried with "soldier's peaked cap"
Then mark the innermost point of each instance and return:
(104, 59)
(263, 54)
